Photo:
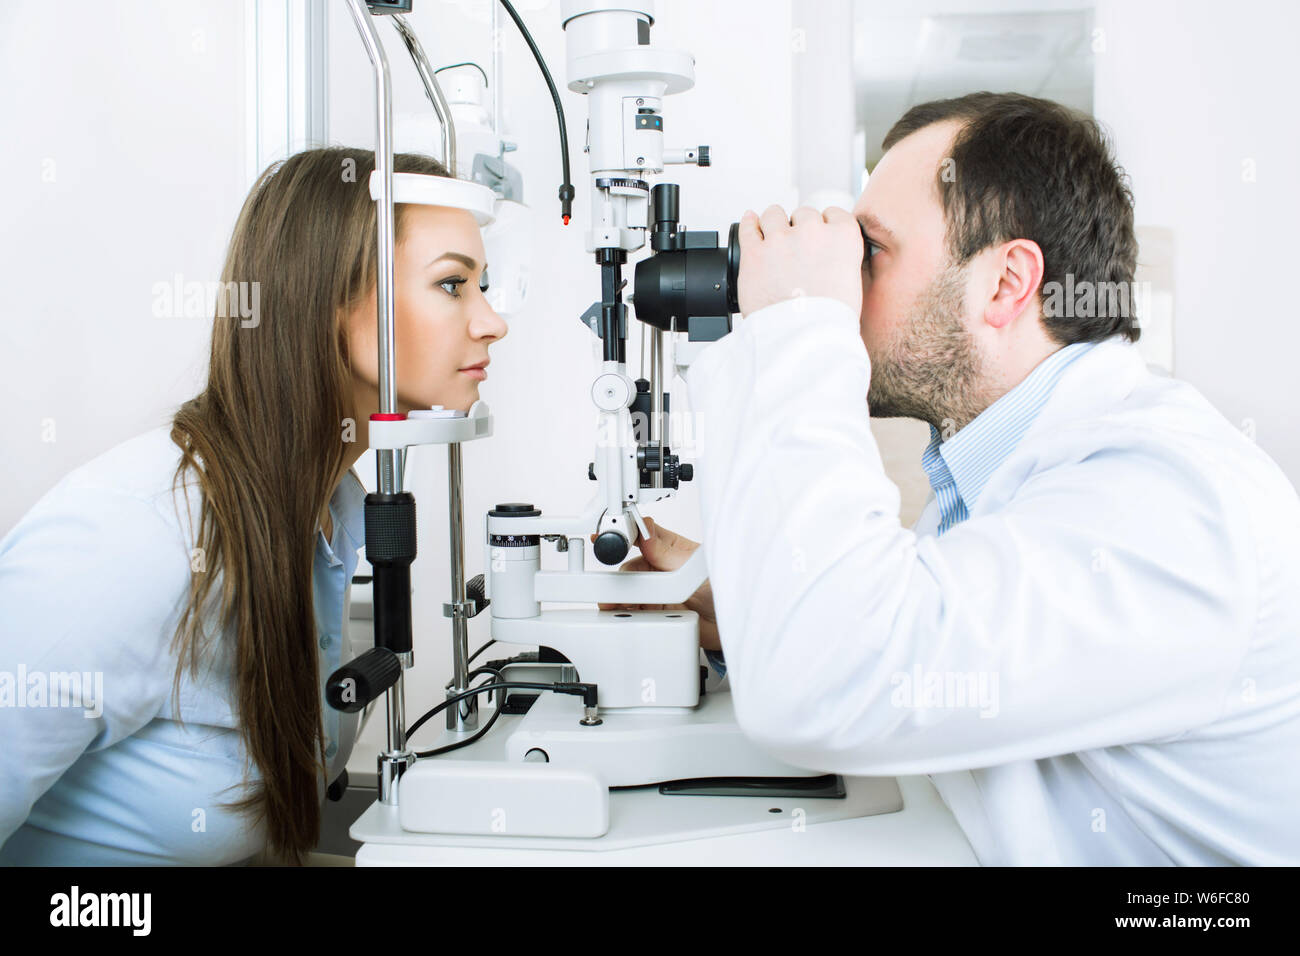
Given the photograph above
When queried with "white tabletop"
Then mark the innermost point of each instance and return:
(923, 833)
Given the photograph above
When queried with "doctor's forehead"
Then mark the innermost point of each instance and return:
(902, 192)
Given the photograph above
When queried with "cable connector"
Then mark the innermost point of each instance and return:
(566, 201)
(586, 691)
(590, 716)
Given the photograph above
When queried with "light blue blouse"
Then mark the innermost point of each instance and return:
(94, 769)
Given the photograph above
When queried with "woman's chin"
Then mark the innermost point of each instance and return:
(468, 397)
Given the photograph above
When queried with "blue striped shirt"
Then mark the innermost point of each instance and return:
(960, 466)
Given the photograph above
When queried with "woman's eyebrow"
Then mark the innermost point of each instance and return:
(465, 260)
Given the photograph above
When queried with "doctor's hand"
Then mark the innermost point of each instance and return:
(666, 551)
(806, 254)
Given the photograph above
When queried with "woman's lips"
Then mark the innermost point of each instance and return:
(476, 373)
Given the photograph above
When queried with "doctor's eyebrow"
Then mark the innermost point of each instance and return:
(869, 222)
(464, 260)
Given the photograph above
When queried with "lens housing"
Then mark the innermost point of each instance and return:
(688, 277)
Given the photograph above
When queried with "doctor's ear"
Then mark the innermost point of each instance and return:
(1017, 273)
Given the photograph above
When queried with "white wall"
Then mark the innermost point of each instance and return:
(122, 124)
(1196, 93)
(141, 109)
(542, 370)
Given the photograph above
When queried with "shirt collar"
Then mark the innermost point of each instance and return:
(972, 455)
(347, 506)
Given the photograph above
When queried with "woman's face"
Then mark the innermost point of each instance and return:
(444, 323)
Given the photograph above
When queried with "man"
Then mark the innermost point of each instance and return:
(1091, 639)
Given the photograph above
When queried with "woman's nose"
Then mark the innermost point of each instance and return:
(486, 323)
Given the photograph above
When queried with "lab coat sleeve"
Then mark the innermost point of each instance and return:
(90, 582)
(1077, 617)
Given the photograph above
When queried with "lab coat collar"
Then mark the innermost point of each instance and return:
(1096, 382)
(1092, 387)
(974, 453)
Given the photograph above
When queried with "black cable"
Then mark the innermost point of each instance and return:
(475, 655)
(566, 187)
(452, 66)
(587, 691)
(410, 731)
(462, 743)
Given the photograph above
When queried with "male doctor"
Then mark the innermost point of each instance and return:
(1091, 639)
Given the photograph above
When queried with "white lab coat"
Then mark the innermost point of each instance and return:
(1127, 587)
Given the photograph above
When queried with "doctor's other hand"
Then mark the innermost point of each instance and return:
(806, 254)
(666, 551)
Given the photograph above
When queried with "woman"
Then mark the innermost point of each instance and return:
(194, 578)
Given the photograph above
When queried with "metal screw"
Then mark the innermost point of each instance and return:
(640, 160)
(640, 102)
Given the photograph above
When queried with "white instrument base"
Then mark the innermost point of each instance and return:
(654, 745)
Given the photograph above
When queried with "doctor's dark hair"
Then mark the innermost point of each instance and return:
(264, 442)
(1028, 168)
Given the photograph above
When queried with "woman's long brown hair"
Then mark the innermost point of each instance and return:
(265, 441)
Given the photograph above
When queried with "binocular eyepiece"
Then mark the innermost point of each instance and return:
(689, 284)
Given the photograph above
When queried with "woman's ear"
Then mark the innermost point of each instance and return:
(359, 344)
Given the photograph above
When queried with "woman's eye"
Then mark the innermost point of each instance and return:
(455, 286)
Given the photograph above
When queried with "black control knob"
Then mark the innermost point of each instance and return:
(610, 548)
(703, 156)
(476, 590)
(362, 679)
(591, 470)
(686, 472)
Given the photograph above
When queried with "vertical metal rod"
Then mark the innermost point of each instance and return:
(397, 758)
(464, 714)
(431, 90)
(644, 352)
(657, 393)
(496, 70)
(396, 702)
(388, 476)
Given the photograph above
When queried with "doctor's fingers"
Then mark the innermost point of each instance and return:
(806, 216)
(774, 222)
(665, 540)
(836, 214)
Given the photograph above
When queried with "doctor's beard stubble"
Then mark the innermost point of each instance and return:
(930, 370)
